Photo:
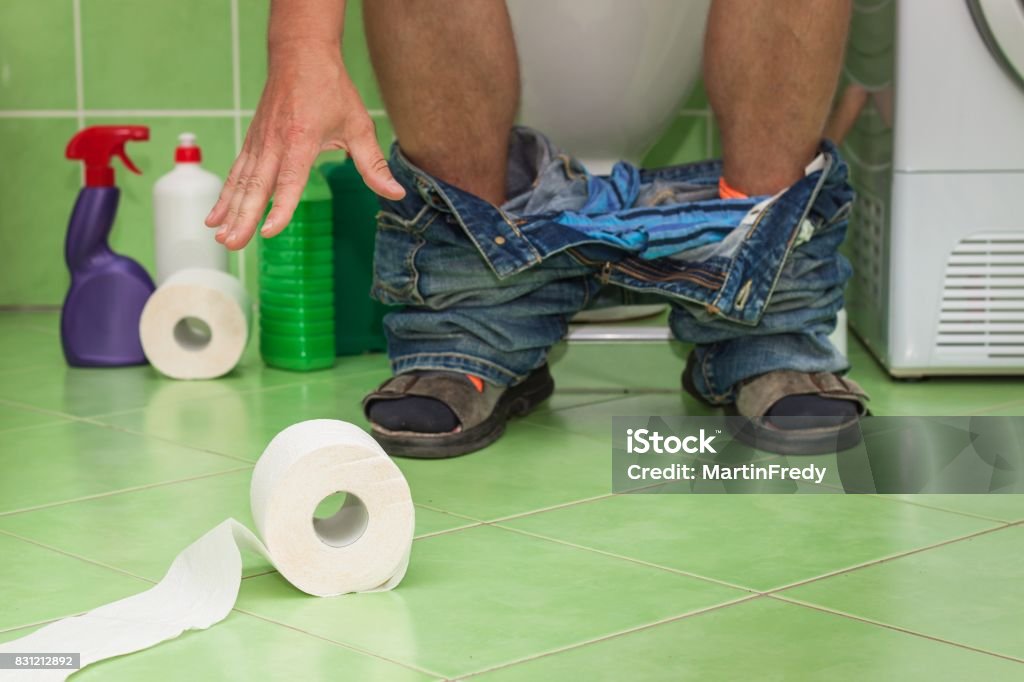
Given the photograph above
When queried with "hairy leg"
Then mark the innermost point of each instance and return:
(449, 76)
(771, 68)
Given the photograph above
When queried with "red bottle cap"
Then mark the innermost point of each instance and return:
(187, 151)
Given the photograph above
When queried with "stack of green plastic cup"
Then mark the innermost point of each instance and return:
(297, 286)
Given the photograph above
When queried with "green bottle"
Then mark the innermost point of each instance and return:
(357, 317)
(297, 285)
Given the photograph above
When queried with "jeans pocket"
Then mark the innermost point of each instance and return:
(395, 277)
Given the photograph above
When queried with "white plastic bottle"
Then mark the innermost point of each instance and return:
(181, 201)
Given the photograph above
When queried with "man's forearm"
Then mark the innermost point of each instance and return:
(305, 22)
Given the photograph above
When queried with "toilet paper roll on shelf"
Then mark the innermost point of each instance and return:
(196, 325)
(364, 547)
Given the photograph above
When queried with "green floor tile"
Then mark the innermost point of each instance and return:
(38, 584)
(764, 640)
(757, 541)
(529, 468)
(244, 648)
(23, 347)
(636, 366)
(484, 596)
(65, 461)
(939, 396)
(967, 592)
(17, 418)
(595, 420)
(1007, 508)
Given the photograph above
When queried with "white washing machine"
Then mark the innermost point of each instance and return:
(937, 157)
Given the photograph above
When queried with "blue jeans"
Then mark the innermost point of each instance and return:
(754, 283)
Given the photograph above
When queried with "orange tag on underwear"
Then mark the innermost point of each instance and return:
(725, 191)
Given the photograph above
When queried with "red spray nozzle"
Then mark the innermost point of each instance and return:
(96, 144)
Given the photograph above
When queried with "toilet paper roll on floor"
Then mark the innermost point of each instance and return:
(196, 324)
(365, 547)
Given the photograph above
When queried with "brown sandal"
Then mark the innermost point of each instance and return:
(482, 414)
(796, 435)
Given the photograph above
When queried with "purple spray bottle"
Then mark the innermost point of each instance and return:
(99, 323)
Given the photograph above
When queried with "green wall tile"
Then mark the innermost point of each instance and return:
(716, 140)
(685, 140)
(34, 73)
(37, 202)
(252, 23)
(357, 57)
(133, 228)
(252, 49)
(698, 98)
(157, 55)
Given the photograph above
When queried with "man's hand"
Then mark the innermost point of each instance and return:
(309, 105)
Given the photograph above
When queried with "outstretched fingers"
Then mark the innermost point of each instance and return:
(370, 162)
(291, 180)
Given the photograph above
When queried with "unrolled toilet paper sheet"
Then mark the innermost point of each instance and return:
(365, 547)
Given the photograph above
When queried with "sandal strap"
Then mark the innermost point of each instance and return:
(470, 406)
(757, 395)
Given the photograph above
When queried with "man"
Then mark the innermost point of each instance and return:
(489, 273)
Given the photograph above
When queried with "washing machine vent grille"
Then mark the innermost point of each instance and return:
(983, 298)
(866, 237)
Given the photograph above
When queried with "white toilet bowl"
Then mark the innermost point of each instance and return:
(604, 78)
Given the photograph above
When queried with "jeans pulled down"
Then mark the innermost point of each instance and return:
(754, 283)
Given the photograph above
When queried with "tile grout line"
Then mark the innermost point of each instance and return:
(344, 645)
(76, 22)
(121, 491)
(709, 134)
(94, 419)
(113, 427)
(241, 259)
(554, 507)
(439, 510)
(891, 626)
(91, 421)
(38, 623)
(449, 531)
(79, 557)
(115, 113)
(886, 559)
(980, 517)
(163, 439)
(240, 391)
(981, 412)
(889, 499)
(614, 635)
(633, 560)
